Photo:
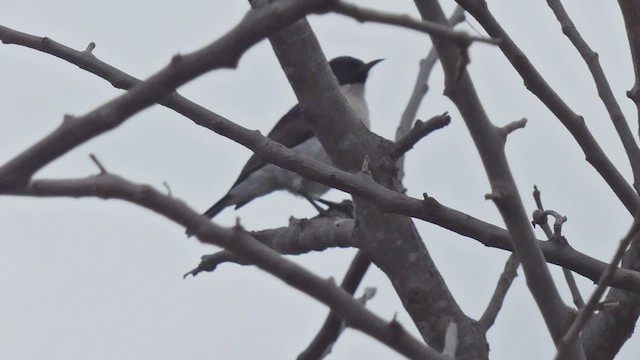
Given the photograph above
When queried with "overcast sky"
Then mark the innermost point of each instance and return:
(93, 279)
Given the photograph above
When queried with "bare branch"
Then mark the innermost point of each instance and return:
(330, 330)
(604, 90)
(428, 210)
(422, 82)
(540, 218)
(587, 311)
(108, 186)
(363, 15)
(631, 14)
(572, 121)
(568, 275)
(490, 146)
(419, 131)
(209, 263)
(509, 273)
(391, 240)
(98, 163)
(224, 52)
(420, 90)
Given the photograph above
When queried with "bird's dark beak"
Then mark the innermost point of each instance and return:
(371, 64)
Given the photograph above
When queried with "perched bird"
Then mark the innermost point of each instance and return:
(259, 178)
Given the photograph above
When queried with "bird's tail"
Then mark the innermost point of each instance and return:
(217, 207)
(213, 211)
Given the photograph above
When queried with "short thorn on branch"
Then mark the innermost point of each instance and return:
(420, 130)
(238, 226)
(90, 48)
(394, 322)
(166, 186)
(513, 126)
(95, 160)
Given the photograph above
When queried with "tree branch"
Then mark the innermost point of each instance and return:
(428, 210)
(224, 52)
(333, 324)
(209, 263)
(509, 273)
(420, 90)
(391, 241)
(434, 29)
(604, 90)
(568, 275)
(631, 14)
(587, 311)
(490, 145)
(535, 83)
(419, 131)
(108, 186)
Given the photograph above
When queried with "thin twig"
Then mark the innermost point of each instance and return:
(420, 89)
(422, 82)
(509, 273)
(95, 160)
(363, 15)
(587, 311)
(630, 11)
(209, 263)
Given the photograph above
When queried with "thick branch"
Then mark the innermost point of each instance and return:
(490, 145)
(107, 186)
(390, 241)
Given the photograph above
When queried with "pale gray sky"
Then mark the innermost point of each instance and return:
(92, 279)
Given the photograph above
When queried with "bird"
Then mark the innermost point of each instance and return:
(259, 178)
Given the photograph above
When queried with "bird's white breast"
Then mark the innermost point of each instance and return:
(355, 96)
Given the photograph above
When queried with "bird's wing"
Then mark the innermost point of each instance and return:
(291, 130)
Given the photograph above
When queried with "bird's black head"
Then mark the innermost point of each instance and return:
(349, 70)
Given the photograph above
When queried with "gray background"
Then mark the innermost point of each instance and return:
(92, 279)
